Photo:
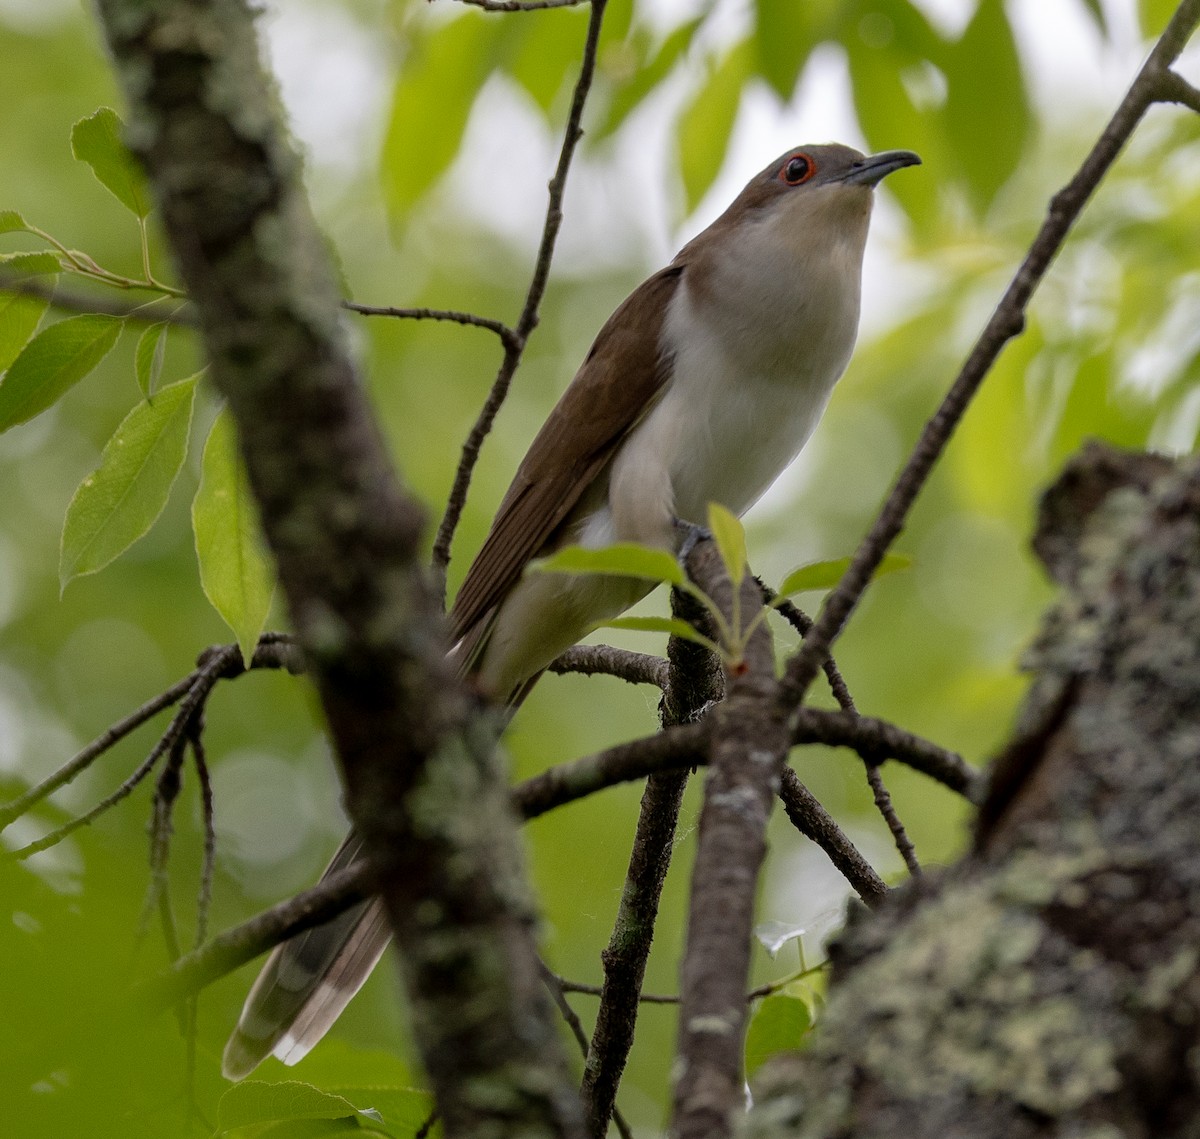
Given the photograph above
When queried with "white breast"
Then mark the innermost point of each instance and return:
(752, 375)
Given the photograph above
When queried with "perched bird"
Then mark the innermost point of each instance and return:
(701, 387)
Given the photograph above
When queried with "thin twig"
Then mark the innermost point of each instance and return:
(1007, 321)
(204, 678)
(811, 819)
(802, 623)
(684, 746)
(635, 668)
(98, 746)
(1176, 89)
(209, 866)
(693, 681)
(507, 337)
(275, 650)
(529, 314)
(876, 740)
(521, 5)
(75, 300)
(554, 985)
(333, 895)
(883, 803)
(597, 990)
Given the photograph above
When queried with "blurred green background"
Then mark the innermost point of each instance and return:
(430, 132)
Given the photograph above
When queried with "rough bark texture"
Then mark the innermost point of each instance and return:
(694, 681)
(1049, 985)
(748, 747)
(416, 756)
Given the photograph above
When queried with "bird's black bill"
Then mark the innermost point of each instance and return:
(874, 168)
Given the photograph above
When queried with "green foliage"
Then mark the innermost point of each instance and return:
(1108, 351)
(148, 358)
(97, 141)
(626, 559)
(730, 537)
(826, 574)
(779, 1024)
(122, 498)
(707, 122)
(257, 1110)
(19, 316)
(52, 363)
(425, 126)
(235, 571)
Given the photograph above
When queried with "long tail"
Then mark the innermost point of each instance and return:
(308, 981)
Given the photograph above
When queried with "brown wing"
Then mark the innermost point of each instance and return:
(592, 417)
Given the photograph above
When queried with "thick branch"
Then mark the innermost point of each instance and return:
(1048, 985)
(422, 785)
(748, 747)
(693, 681)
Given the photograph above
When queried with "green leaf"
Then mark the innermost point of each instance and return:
(12, 222)
(235, 572)
(626, 559)
(779, 1024)
(546, 54)
(987, 110)
(121, 499)
(628, 96)
(783, 40)
(1154, 14)
(97, 141)
(707, 122)
(825, 575)
(148, 357)
(730, 537)
(53, 362)
(36, 264)
(19, 316)
(256, 1101)
(672, 626)
(432, 99)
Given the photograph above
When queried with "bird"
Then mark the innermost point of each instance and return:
(702, 386)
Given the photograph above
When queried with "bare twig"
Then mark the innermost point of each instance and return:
(694, 680)
(802, 623)
(1152, 83)
(203, 680)
(507, 337)
(554, 984)
(75, 300)
(636, 668)
(883, 803)
(683, 746)
(876, 740)
(208, 869)
(331, 896)
(521, 5)
(529, 314)
(811, 819)
(275, 650)
(94, 750)
(1176, 89)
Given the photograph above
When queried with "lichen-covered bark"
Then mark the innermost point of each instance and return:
(417, 759)
(1049, 985)
(748, 747)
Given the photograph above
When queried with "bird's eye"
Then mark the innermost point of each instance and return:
(798, 169)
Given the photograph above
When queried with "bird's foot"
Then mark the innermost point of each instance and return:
(693, 535)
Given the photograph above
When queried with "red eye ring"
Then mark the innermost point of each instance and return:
(797, 170)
